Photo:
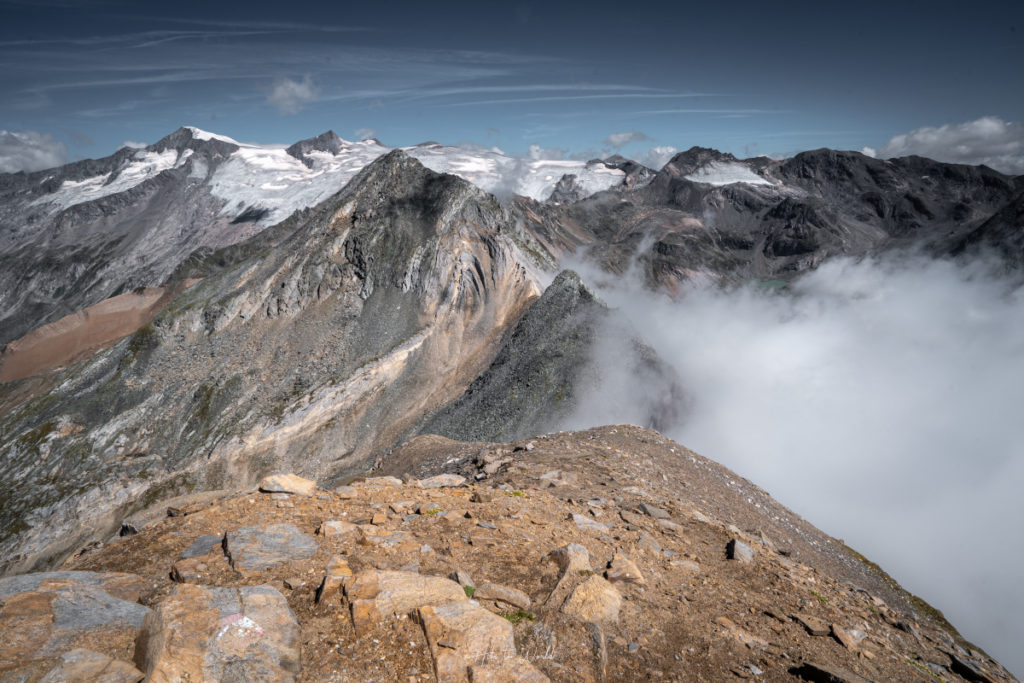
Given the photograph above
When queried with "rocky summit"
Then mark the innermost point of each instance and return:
(567, 557)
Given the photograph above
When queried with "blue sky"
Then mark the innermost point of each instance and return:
(747, 78)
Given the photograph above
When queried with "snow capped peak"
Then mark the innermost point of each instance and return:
(200, 134)
(726, 173)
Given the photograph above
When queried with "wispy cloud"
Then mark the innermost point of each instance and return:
(617, 140)
(665, 112)
(290, 96)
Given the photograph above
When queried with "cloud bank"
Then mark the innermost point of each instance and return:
(989, 140)
(30, 151)
(880, 399)
(290, 96)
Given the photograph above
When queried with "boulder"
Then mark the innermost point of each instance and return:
(288, 483)
(594, 600)
(45, 614)
(738, 550)
(199, 633)
(377, 593)
(461, 635)
(260, 548)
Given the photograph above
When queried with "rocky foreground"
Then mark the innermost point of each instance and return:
(612, 554)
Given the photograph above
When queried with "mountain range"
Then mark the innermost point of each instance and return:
(200, 313)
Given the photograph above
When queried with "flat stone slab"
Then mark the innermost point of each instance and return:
(43, 615)
(585, 523)
(220, 634)
(202, 546)
(378, 593)
(260, 548)
(288, 483)
(515, 670)
(442, 481)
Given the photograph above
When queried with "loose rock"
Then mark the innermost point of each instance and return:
(594, 600)
(288, 483)
(259, 548)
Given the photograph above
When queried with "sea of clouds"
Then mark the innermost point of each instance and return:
(882, 399)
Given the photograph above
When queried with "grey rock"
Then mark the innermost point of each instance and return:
(201, 546)
(653, 511)
(738, 550)
(259, 548)
(585, 523)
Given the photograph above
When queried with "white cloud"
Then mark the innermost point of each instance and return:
(290, 96)
(131, 144)
(617, 140)
(536, 152)
(29, 151)
(879, 399)
(989, 140)
(869, 152)
(365, 133)
(657, 157)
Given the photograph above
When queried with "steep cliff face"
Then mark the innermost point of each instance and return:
(311, 348)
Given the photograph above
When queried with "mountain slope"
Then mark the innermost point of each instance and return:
(312, 353)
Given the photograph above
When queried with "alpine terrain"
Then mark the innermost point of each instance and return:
(278, 413)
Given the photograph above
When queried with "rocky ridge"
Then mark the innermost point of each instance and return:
(568, 557)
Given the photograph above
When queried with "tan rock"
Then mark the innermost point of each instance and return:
(571, 559)
(200, 633)
(377, 593)
(85, 666)
(380, 482)
(379, 519)
(623, 570)
(42, 613)
(511, 596)
(845, 638)
(442, 481)
(334, 527)
(813, 625)
(288, 483)
(461, 635)
(594, 600)
(515, 670)
(336, 574)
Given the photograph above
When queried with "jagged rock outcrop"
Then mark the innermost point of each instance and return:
(312, 348)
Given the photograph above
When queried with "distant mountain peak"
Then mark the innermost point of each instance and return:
(325, 142)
